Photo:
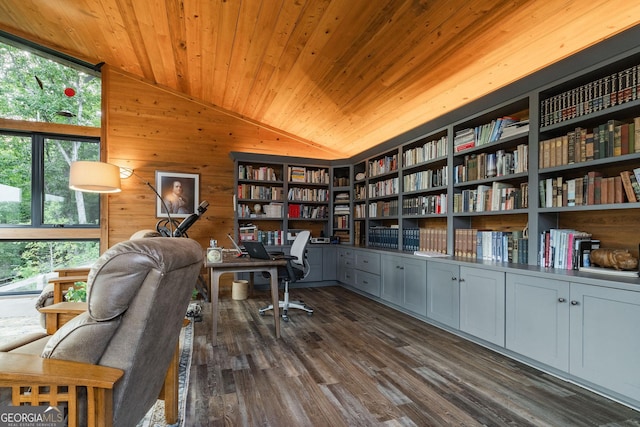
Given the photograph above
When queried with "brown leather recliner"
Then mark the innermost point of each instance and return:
(137, 296)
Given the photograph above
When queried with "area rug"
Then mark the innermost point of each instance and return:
(155, 416)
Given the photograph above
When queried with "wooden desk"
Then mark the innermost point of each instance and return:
(233, 264)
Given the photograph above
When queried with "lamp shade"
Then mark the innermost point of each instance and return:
(94, 177)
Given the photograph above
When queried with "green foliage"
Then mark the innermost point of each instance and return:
(78, 293)
(33, 88)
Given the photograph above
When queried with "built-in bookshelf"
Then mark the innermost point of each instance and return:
(563, 156)
(587, 154)
(273, 199)
(342, 207)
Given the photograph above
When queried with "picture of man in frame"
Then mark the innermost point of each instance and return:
(177, 202)
(179, 192)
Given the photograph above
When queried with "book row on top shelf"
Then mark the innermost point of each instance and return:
(302, 174)
(259, 173)
(598, 94)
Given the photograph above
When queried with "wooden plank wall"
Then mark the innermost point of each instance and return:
(150, 128)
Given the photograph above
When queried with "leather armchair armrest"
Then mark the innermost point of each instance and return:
(35, 380)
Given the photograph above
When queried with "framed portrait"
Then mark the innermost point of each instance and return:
(180, 193)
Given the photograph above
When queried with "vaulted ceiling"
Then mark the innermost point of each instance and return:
(346, 74)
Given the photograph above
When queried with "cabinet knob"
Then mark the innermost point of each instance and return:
(574, 302)
(562, 300)
(454, 278)
(461, 280)
(365, 261)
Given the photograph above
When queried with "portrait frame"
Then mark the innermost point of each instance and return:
(190, 183)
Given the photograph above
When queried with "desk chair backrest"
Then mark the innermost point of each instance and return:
(298, 250)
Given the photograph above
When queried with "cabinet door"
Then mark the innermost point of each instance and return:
(605, 343)
(482, 304)
(443, 293)
(329, 263)
(415, 285)
(392, 283)
(537, 319)
(345, 266)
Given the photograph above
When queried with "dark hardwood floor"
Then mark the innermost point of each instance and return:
(358, 363)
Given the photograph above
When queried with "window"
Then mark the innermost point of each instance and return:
(37, 88)
(43, 224)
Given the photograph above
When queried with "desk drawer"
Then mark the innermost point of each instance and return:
(368, 261)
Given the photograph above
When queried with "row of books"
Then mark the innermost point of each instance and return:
(303, 194)
(426, 179)
(631, 184)
(489, 245)
(383, 208)
(257, 173)
(383, 165)
(611, 139)
(487, 133)
(590, 189)
(309, 176)
(425, 205)
(340, 181)
(428, 151)
(260, 192)
(599, 94)
(424, 239)
(271, 210)
(564, 248)
(500, 196)
(387, 187)
(383, 237)
(341, 221)
(489, 165)
(307, 211)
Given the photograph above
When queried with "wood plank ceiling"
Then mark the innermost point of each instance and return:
(346, 74)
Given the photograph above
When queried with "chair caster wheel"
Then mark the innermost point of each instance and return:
(309, 314)
(285, 318)
(261, 313)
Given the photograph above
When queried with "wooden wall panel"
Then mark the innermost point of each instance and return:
(150, 128)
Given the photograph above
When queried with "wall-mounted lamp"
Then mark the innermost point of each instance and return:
(94, 177)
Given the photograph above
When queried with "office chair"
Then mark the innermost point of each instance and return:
(297, 268)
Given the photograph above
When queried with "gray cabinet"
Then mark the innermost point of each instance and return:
(345, 260)
(392, 279)
(367, 271)
(329, 262)
(404, 282)
(482, 303)
(605, 337)
(537, 319)
(360, 269)
(443, 293)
